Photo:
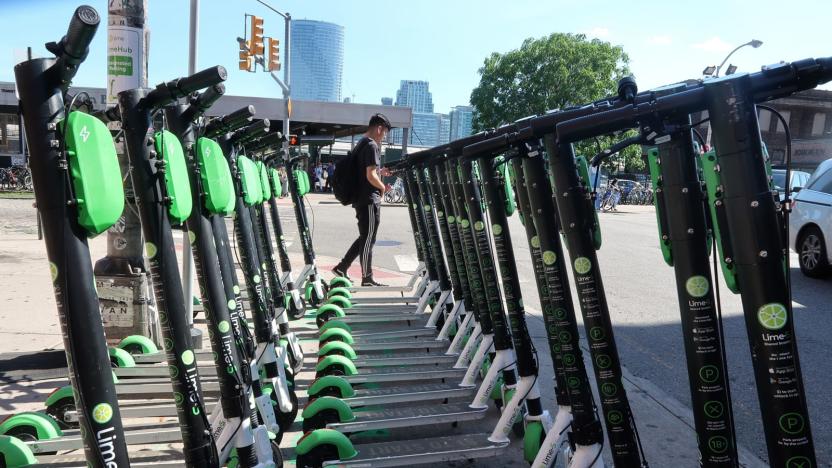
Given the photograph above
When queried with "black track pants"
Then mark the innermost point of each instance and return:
(368, 217)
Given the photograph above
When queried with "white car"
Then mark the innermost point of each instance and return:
(810, 223)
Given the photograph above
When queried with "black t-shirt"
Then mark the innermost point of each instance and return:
(367, 154)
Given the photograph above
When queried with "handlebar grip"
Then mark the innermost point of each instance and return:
(79, 34)
(271, 139)
(201, 79)
(209, 97)
(239, 116)
(110, 114)
(251, 132)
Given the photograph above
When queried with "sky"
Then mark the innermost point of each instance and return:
(444, 42)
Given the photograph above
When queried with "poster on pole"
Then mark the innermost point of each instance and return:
(124, 57)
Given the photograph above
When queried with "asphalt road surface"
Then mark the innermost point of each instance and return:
(642, 297)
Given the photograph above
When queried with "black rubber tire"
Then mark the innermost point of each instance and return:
(59, 410)
(285, 420)
(27, 434)
(317, 457)
(812, 253)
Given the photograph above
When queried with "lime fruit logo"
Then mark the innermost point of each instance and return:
(102, 413)
(256, 279)
(150, 248)
(427, 207)
(53, 270)
(236, 289)
(440, 214)
(188, 357)
(479, 226)
(772, 316)
(232, 304)
(549, 257)
(224, 327)
(497, 229)
(535, 242)
(583, 265)
(697, 286)
(451, 219)
(465, 223)
(191, 237)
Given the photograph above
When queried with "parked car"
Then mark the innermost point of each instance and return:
(810, 223)
(799, 179)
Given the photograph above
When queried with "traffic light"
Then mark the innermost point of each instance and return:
(294, 140)
(245, 60)
(256, 45)
(274, 54)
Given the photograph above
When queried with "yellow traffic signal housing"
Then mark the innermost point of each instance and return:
(256, 45)
(274, 54)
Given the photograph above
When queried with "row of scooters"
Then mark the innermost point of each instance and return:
(437, 354)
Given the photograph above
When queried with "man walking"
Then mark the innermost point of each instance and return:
(366, 199)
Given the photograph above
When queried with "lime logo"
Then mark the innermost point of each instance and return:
(451, 219)
(573, 382)
(697, 286)
(583, 265)
(535, 242)
(465, 223)
(497, 229)
(173, 371)
(256, 279)
(799, 462)
(236, 289)
(178, 398)
(718, 444)
(549, 257)
(263, 266)
(615, 417)
(150, 248)
(224, 327)
(188, 357)
(191, 237)
(609, 389)
(713, 409)
(440, 214)
(102, 413)
(53, 270)
(603, 361)
(772, 316)
(596, 333)
(232, 304)
(791, 423)
(568, 359)
(427, 207)
(709, 374)
(84, 134)
(479, 226)
(560, 314)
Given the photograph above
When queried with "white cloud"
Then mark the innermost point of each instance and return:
(714, 44)
(660, 40)
(598, 32)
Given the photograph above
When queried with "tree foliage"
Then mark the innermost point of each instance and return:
(552, 72)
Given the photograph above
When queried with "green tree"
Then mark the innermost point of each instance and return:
(551, 72)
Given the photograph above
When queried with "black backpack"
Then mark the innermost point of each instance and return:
(345, 182)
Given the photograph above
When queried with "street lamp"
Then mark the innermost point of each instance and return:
(753, 43)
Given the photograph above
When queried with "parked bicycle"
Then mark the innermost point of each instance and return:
(16, 178)
(395, 193)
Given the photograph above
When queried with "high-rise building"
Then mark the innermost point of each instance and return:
(444, 128)
(416, 95)
(317, 60)
(461, 117)
(386, 101)
(426, 129)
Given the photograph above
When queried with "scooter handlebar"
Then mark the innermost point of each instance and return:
(203, 102)
(165, 93)
(74, 46)
(251, 132)
(230, 122)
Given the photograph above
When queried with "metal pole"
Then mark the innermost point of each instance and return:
(287, 91)
(187, 253)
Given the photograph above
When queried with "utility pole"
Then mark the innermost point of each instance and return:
(121, 276)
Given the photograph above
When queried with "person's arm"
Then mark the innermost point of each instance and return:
(373, 179)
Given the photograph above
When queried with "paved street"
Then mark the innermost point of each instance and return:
(642, 298)
(640, 289)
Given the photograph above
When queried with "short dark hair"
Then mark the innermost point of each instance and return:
(380, 119)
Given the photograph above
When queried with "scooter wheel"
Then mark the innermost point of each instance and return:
(60, 410)
(333, 369)
(316, 457)
(277, 455)
(320, 420)
(533, 440)
(27, 434)
(320, 320)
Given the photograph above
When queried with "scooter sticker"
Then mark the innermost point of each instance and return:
(232, 304)
(583, 265)
(479, 226)
(550, 257)
(697, 286)
(188, 357)
(53, 270)
(150, 248)
(535, 242)
(772, 316)
(102, 413)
